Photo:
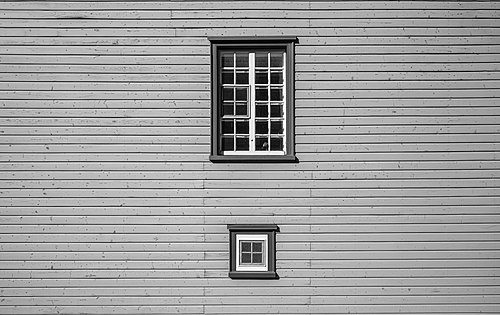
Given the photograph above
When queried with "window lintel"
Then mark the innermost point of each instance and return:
(252, 40)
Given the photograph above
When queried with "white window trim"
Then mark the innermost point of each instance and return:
(252, 108)
(252, 237)
(285, 105)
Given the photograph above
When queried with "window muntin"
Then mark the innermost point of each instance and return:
(251, 253)
(252, 103)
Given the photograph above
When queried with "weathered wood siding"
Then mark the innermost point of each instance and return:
(110, 205)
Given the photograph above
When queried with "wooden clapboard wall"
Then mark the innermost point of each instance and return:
(109, 203)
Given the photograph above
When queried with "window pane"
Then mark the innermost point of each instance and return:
(227, 77)
(261, 60)
(261, 94)
(276, 59)
(241, 109)
(227, 126)
(261, 77)
(227, 144)
(241, 77)
(241, 94)
(261, 144)
(228, 109)
(242, 60)
(276, 94)
(246, 246)
(261, 110)
(276, 144)
(257, 258)
(261, 127)
(246, 258)
(256, 247)
(242, 144)
(227, 94)
(276, 127)
(276, 110)
(277, 77)
(227, 59)
(242, 127)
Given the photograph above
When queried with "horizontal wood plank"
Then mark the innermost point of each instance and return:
(109, 202)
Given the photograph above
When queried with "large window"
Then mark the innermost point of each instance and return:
(252, 99)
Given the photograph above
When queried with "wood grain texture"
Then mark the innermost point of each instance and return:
(110, 205)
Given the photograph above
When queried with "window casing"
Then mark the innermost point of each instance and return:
(252, 251)
(252, 99)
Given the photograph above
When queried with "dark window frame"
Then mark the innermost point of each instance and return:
(250, 229)
(287, 43)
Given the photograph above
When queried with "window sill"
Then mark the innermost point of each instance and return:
(253, 275)
(254, 158)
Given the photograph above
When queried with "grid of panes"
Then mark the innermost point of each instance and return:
(251, 252)
(253, 90)
(235, 101)
(269, 101)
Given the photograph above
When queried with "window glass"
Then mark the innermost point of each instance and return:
(277, 77)
(276, 59)
(261, 127)
(261, 59)
(241, 109)
(228, 109)
(277, 127)
(242, 77)
(276, 110)
(228, 94)
(261, 110)
(227, 143)
(276, 94)
(242, 126)
(251, 252)
(261, 94)
(241, 94)
(228, 60)
(242, 144)
(262, 144)
(261, 77)
(227, 77)
(227, 126)
(241, 60)
(276, 144)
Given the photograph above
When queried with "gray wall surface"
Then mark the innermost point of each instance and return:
(109, 204)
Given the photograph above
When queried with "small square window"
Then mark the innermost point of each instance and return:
(252, 251)
(253, 79)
